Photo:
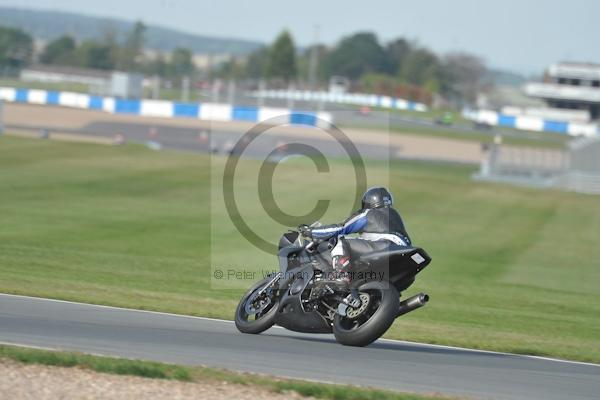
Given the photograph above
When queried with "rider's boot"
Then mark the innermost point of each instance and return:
(353, 299)
(339, 275)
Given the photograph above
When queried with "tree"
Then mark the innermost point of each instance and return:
(157, 66)
(59, 51)
(357, 54)
(421, 68)
(397, 52)
(256, 64)
(303, 62)
(16, 48)
(94, 54)
(232, 69)
(464, 77)
(132, 50)
(181, 63)
(281, 62)
(109, 38)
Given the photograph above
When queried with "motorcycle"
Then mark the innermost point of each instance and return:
(301, 298)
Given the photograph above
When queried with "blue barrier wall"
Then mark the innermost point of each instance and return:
(157, 108)
(531, 123)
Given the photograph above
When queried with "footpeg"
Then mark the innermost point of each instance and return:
(353, 299)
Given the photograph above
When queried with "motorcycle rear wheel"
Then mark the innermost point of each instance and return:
(262, 320)
(370, 325)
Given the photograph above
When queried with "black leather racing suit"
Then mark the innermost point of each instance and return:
(378, 228)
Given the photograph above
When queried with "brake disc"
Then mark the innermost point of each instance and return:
(252, 308)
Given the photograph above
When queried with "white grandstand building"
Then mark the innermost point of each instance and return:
(570, 89)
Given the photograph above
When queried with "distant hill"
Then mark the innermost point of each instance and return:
(506, 78)
(47, 25)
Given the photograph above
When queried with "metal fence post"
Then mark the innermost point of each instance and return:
(1, 116)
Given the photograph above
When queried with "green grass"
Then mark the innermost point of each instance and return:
(513, 269)
(509, 136)
(431, 113)
(148, 369)
(58, 86)
(164, 94)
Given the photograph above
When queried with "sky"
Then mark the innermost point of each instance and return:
(520, 35)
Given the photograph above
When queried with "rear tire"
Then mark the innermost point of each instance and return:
(351, 332)
(264, 321)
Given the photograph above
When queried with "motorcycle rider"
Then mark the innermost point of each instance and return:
(378, 225)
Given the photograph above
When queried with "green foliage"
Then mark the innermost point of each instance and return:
(131, 52)
(400, 67)
(16, 48)
(463, 76)
(356, 55)
(234, 69)
(107, 53)
(256, 64)
(397, 51)
(95, 54)
(158, 66)
(372, 82)
(181, 63)
(59, 51)
(281, 62)
(420, 67)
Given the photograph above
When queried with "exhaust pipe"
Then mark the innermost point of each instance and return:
(412, 303)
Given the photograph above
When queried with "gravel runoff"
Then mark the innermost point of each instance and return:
(30, 381)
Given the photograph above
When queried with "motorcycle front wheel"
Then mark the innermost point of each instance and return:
(256, 311)
(367, 323)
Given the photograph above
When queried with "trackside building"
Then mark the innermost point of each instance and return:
(570, 86)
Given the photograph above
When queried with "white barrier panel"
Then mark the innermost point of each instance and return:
(488, 117)
(108, 104)
(386, 101)
(325, 119)
(361, 99)
(215, 112)
(8, 94)
(265, 113)
(530, 123)
(37, 96)
(76, 100)
(577, 128)
(401, 104)
(156, 108)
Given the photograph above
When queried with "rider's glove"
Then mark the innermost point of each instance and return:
(305, 230)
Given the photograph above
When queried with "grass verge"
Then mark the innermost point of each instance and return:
(148, 369)
(514, 269)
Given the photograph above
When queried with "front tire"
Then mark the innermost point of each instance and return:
(374, 321)
(264, 319)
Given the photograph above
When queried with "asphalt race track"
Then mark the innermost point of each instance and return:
(185, 138)
(200, 341)
(220, 137)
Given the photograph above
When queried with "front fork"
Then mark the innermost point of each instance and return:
(269, 284)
